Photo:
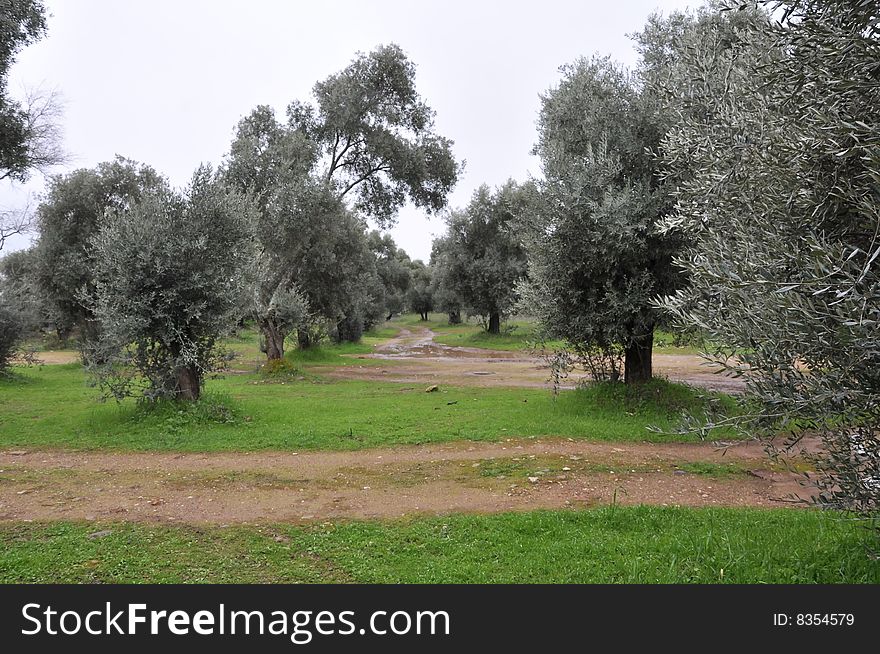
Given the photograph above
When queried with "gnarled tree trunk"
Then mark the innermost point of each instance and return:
(637, 364)
(189, 383)
(455, 317)
(273, 340)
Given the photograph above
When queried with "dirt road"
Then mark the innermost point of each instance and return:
(414, 357)
(515, 475)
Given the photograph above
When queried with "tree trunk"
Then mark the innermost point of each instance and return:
(303, 339)
(637, 365)
(188, 384)
(494, 323)
(89, 337)
(63, 334)
(455, 317)
(274, 340)
(424, 315)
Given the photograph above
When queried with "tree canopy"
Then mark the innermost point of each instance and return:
(365, 147)
(376, 136)
(481, 260)
(171, 271)
(29, 133)
(73, 210)
(597, 257)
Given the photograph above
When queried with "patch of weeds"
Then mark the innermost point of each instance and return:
(234, 480)
(797, 465)
(10, 377)
(538, 466)
(657, 397)
(177, 416)
(279, 368)
(718, 470)
(500, 468)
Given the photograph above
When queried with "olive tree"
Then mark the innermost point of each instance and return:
(73, 210)
(20, 309)
(394, 269)
(11, 332)
(446, 297)
(366, 146)
(483, 256)
(376, 137)
(18, 287)
(419, 297)
(29, 141)
(597, 257)
(171, 271)
(779, 199)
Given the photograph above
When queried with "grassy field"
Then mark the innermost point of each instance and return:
(52, 406)
(608, 545)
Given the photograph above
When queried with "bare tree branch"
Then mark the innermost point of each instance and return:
(43, 110)
(15, 221)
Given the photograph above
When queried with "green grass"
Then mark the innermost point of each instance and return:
(608, 545)
(52, 406)
(519, 468)
(512, 340)
(333, 354)
(245, 345)
(436, 321)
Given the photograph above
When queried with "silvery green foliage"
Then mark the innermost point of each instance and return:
(70, 214)
(20, 308)
(376, 136)
(12, 328)
(779, 194)
(419, 296)
(393, 267)
(445, 296)
(481, 259)
(295, 231)
(171, 272)
(281, 307)
(18, 288)
(367, 145)
(597, 256)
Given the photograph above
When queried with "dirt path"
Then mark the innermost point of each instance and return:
(55, 357)
(414, 357)
(515, 475)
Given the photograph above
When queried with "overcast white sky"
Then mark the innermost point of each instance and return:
(165, 81)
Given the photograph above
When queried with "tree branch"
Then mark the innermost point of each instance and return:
(15, 222)
(363, 178)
